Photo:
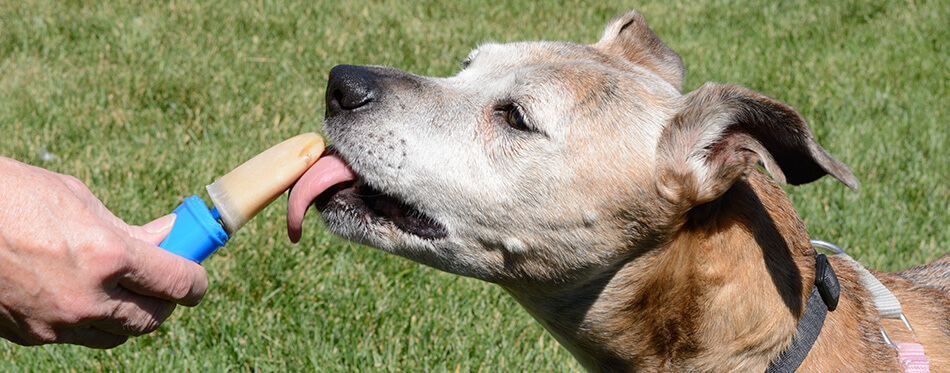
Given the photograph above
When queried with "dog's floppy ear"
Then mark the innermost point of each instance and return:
(722, 131)
(628, 36)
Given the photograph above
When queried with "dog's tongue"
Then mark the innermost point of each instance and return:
(329, 170)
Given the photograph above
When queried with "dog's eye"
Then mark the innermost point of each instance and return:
(514, 118)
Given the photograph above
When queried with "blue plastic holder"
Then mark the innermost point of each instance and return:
(197, 232)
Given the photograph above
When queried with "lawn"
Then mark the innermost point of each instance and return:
(147, 102)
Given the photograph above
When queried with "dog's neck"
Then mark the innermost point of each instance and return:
(723, 293)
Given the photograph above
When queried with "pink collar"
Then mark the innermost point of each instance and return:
(912, 357)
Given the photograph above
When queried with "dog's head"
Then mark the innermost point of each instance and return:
(544, 161)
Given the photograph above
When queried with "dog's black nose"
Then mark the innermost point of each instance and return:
(350, 87)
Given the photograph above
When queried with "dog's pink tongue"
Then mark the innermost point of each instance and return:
(329, 170)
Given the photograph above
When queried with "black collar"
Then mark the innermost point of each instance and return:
(823, 298)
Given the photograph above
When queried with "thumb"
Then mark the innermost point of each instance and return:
(154, 231)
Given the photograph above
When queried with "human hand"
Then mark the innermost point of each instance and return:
(72, 272)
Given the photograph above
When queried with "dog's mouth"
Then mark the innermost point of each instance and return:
(336, 190)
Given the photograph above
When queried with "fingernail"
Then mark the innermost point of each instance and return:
(161, 224)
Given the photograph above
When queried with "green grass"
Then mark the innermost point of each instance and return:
(147, 102)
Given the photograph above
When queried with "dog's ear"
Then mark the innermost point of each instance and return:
(722, 132)
(628, 36)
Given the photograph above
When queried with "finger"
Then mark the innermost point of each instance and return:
(154, 231)
(152, 271)
(135, 314)
(93, 337)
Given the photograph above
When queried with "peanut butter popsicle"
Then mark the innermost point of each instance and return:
(239, 195)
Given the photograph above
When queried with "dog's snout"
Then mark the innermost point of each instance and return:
(349, 88)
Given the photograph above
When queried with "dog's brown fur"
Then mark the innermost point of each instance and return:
(673, 251)
(700, 301)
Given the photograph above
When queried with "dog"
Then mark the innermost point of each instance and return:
(638, 225)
